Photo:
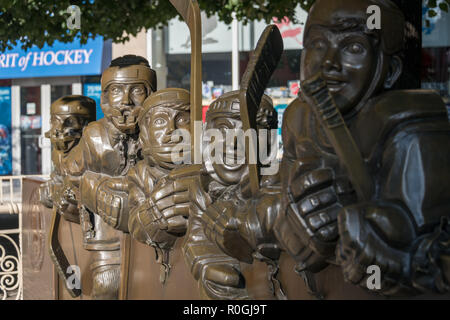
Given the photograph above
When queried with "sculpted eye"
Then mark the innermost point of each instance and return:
(138, 90)
(159, 122)
(355, 48)
(69, 122)
(115, 90)
(182, 120)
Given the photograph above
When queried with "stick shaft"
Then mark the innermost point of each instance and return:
(196, 80)
(190, 12)
(340, 137)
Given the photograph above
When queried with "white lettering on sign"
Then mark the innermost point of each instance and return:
(45, 58)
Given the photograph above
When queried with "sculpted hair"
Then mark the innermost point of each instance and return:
(84, 101)
(392, 39)
(129, 60)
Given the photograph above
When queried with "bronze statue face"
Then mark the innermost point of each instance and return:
(69, 115)
(228, 173)
(124, 104)
(65, 131)
(355, 62)
(346, 60)
(224, 115)
(157, 127)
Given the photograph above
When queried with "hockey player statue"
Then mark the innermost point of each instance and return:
(69, 115)
(108, 149)
(365, 167)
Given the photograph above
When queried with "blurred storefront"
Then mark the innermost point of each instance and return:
(30, 80)
(218, 43)
(436, 54)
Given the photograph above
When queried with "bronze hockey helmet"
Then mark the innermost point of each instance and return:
(227, 105)
(164, 112)
(69, 115)
(225, 114)
(126, 71)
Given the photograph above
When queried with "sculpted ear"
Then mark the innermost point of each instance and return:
(394, 72)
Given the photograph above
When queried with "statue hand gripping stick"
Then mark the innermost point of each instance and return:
(340, 137)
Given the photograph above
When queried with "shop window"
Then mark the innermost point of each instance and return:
(30, 125)
(216, 73)
(60, 91)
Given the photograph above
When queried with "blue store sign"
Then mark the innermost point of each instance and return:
(5, 131)
(94, 91)
(60, 59)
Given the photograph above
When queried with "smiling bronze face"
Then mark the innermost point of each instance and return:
(345, 59)
(66, 131)
(355, 62)
(224, 115)
(233, 166)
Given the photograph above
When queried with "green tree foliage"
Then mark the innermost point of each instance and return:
(44, 21)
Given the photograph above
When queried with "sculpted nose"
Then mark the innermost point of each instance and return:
(126, 98)
(169, 130)
(332, 60)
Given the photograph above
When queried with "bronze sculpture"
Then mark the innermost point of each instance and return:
(69, 116)
(108, 149)
(218, 275)
(400, 223)
(150, 221)
(392, 224)
(358, 185)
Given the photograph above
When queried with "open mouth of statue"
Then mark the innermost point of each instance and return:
(335, 85)
(169, 153)
(62, 143)
(126, 117)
